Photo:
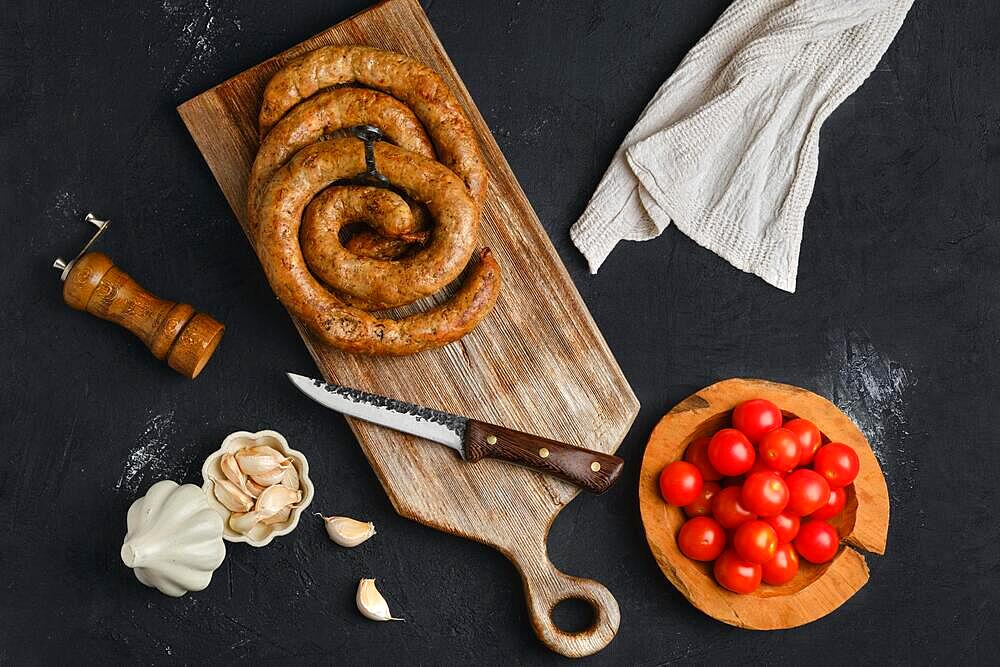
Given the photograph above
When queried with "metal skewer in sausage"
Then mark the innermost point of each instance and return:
(326, 114)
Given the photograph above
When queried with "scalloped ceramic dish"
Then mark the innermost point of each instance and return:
(261, 535)
(817, 589)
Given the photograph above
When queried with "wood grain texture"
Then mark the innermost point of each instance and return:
(537, 363)
(817, 589)
(172, 331)
(594, 471)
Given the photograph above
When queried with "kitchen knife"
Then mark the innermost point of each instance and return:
(471, 438)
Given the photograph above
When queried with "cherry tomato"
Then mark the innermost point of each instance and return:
(730, 452)
(755, 541)
(764, 494)
(833, 506)
(817, 541)
(837, 463)
(782, 568)
(807, 491)
(697, 455)
(728, 509)
(756, 417)
(786, 526)
(701, 538)
(809, 437)
(779, 449)
(702, 505)
(680, 483)
(736, 574)
(760, 465)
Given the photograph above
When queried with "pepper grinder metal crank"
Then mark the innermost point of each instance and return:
(172, 331)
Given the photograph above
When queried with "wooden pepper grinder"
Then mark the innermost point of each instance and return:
(171, 330)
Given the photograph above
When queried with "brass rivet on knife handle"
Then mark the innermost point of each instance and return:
(588, 469)
(172, 331)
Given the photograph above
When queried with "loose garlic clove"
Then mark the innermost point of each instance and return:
(256, 461)
(269, 477)
(347, 532)
(243, 522)
(231, 469)
(370, 602)
(230, 495)
(290, 478)
(254, 489)
(274, 499)
(282, 516)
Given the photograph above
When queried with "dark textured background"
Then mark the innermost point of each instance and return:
(895, 319)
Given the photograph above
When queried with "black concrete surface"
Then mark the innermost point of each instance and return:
(895, 319)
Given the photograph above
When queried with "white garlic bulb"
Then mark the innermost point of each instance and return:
(370, 602)
(347, 532)
(174, 540)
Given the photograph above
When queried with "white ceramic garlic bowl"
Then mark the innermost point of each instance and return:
(261, 535)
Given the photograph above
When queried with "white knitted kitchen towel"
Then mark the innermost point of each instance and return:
(727, 148)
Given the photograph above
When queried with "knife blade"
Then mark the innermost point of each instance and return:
(471, 438)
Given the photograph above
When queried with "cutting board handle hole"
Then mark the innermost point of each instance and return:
(574, 615)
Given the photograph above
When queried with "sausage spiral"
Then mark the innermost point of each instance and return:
(413, 83)
(310, 185)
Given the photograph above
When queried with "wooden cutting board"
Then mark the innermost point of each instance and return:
(537, 363)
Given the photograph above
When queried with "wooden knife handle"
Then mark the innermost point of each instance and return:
(172, 331)
(591, 470)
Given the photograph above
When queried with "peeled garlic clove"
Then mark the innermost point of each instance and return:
(370, 602)
(230, 495)
(274, 499)
(290, 478)
(347, 532)
(243, 522)
(282, 516)
(258, 460)
(269, 477)
(254, 489)
(231, 469)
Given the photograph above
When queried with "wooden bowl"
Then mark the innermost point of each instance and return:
(817, 589)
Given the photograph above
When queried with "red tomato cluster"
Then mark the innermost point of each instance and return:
(758, 496)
